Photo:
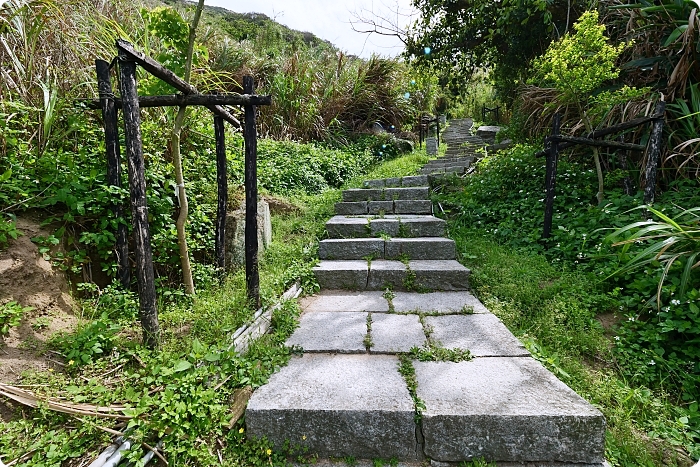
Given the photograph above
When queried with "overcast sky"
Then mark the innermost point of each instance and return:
(330, 20)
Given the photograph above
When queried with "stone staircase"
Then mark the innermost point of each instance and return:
(385, 237)
(389, 284)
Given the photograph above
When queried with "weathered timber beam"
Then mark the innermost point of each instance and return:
(598, 143)
(178, 100)
(159, 71)
(571, 141)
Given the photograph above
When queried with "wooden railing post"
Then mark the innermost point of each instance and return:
(551, 176)
(114, 168)
(222, 192)
(251, 199)
(137, 183)
(654, 153)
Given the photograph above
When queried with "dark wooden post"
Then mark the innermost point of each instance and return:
(420, 131)
(251, 198)
(627, 182)
(437, 123)
(551, 176)
(222, 183)
(114, 168)
(654, 153)
(139, 207)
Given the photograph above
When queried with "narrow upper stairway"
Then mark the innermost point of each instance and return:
(402, 362)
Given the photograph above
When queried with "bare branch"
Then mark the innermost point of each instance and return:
(392, 21)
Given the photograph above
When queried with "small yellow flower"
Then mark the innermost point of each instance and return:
(303, 437)
(241, 430)
(71, 362)
(50, 370)
(269, 452)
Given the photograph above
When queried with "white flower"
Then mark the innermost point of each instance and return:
(652, 363)
(617, 338)
(675, 302)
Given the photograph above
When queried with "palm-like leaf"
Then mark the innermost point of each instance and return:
(671, 240)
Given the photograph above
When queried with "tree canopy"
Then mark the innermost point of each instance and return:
(456, 37)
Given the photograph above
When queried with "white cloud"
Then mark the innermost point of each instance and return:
(328, 19)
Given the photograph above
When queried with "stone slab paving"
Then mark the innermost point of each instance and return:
(337, 406)
(343, 300)
(505, 409)
(396, 333)
(437, 302)
(484, 335)
(328, 331)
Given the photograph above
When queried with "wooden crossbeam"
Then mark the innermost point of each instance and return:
(178, 100)
(128, 52)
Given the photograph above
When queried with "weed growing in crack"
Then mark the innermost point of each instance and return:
(435, 353)
(368, 337)
(389, 296)
(409, 375)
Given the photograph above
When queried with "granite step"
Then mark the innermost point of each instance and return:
(403, 226)
(386, 194)
(427, 248)
(381, 208)
(458, 169)
(420, 275)
(412, 181)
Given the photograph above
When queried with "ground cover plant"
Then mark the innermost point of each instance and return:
(640, 369)
(180, 393)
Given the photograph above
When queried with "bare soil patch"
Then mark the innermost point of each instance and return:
(30, 280)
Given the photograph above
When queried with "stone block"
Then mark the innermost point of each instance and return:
(427, 226)
(380, 207)
(377, 184)
(440, 275)
(416, 180)
(363, 194)
(458, 169)
(431, 146)
(508, 409)
(343, 300)
(385, 226)
(350, 209)
(356, 248)
(350, 275)
(337, 406)
(384, 273)
(411, 193)
(327, 331)
(413, 206)
(487, 132)
(482, 334)
(235, 235)
(396, 333)
(347, 227)
(440, 302)
(420, 248)
(391, 182)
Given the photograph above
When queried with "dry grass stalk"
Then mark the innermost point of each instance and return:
(31, 400)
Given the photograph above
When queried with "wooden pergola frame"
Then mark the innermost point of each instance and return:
(131, 103)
